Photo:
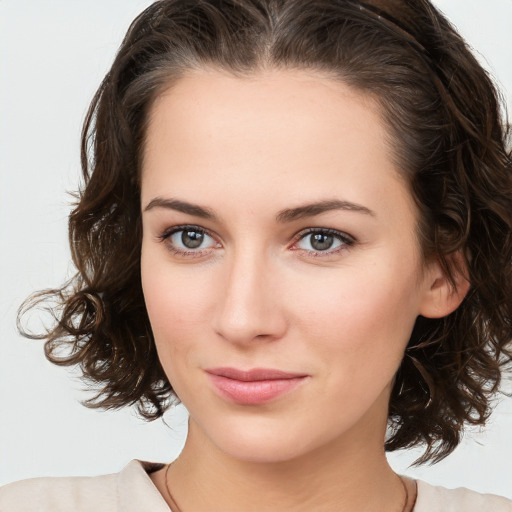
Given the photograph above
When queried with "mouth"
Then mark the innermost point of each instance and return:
(253, 387)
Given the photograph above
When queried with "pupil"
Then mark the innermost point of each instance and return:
(321, 242)
(192, 239)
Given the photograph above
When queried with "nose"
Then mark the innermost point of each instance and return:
(249, 305)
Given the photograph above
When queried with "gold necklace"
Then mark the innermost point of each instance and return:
(176, 508)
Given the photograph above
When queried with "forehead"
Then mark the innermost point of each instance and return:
(216, 107)
(289, 129)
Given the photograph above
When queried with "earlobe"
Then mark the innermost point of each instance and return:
(443, 296)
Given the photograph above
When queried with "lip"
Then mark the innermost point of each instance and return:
(253, 387)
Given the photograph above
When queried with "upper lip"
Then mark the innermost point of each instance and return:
(253, 374)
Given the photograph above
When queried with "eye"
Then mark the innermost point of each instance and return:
(188, 239)
(323, 240)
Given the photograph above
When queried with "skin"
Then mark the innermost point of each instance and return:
(258, 294)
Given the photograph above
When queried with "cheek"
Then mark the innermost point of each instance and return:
(177, 301)
(360, 315)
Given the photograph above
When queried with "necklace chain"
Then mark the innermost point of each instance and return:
(176, 508)
(174, 505)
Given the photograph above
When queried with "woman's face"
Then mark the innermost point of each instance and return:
(280, 267)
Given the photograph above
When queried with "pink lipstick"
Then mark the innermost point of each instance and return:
(253, 387)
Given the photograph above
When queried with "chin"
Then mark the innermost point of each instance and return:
(261, 440)
(264, 451)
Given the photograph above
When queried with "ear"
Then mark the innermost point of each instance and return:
(441, 297)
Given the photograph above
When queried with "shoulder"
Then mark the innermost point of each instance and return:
(56, 494)
(60, 494)
(440, 499)
(124, 491)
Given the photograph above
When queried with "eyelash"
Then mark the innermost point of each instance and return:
(167, 234)
(346, 241)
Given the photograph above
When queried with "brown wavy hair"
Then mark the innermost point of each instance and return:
(449, 140)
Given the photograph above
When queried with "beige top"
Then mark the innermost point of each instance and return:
(132, 490)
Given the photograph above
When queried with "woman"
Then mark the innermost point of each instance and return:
(291, 210)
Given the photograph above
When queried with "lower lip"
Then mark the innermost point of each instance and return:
(253, 392)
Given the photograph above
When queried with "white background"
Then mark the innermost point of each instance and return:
(53, 55)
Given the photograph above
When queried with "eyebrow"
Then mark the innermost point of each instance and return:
(287, 215)
(310, 210)
(181, 206)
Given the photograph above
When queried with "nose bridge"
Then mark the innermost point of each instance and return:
(249, 306)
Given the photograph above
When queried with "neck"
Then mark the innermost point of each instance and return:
(345, 475)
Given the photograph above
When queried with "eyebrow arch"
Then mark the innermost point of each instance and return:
(310, 210)
(180, 206)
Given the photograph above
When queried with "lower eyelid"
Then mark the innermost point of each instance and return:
(185, 252)
(346, 241)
